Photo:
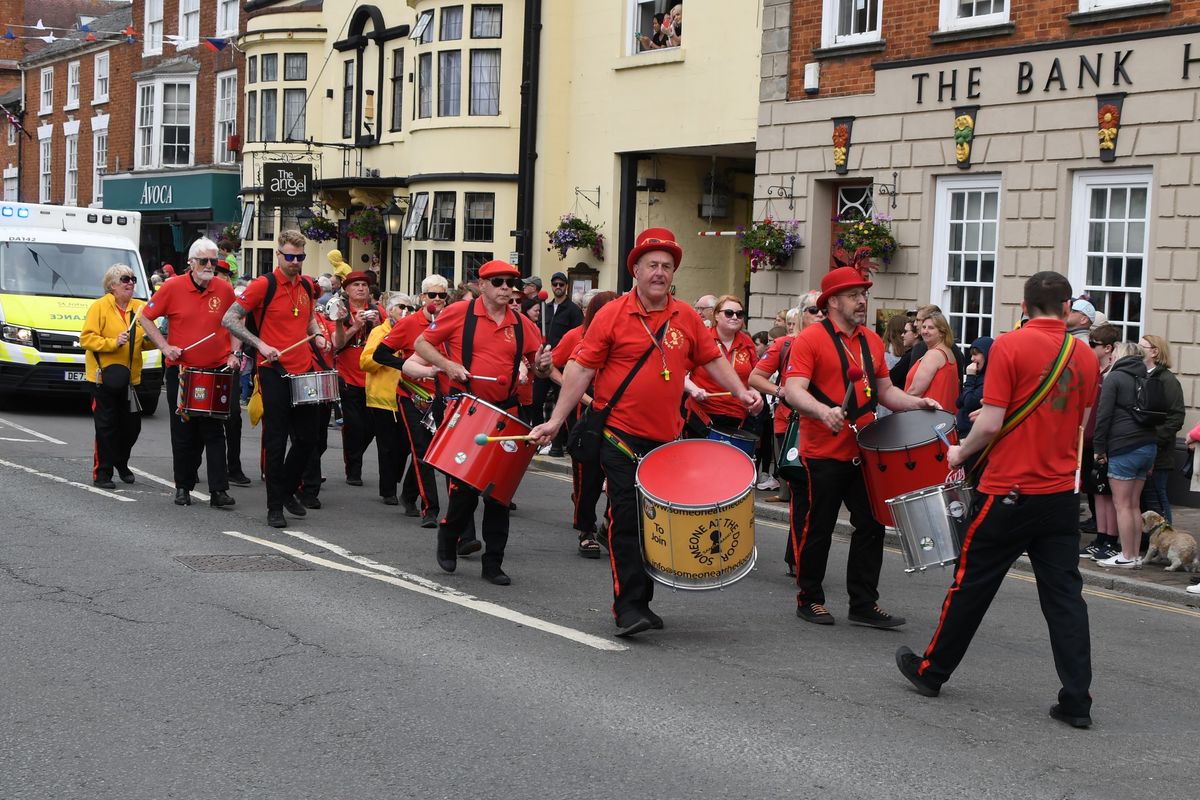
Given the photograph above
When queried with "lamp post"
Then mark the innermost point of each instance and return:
(393, 220)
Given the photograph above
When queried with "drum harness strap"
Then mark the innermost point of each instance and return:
(468, 348)
(272, 285)
(609, 436)
(855, 411)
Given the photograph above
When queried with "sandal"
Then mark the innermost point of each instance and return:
(588, 546)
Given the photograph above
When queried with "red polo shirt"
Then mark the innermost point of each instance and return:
(618, 336)
(814, 356)
(347, 359)
(494, 349)
(564, 351)
(741, 356)
(769, 365)
(286, 320)
(1038, 456)
(400, 339)
(192, 314)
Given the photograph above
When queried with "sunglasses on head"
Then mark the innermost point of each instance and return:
(437, 295)
(128, 279)
(731, 314)
(290, 257)
(812, 310)
(512, 283)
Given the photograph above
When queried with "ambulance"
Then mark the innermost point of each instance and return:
(52, 264)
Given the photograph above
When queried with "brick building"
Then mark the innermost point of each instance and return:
(1001, 137)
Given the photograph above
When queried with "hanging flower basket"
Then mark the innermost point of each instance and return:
(864, 243)
(319, 229)
(575, 232)
(366, 225)
(768, 244)
(231, 233)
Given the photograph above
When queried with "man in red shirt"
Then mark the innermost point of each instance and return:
(282, 320)
(1027, 503)
(349, 336)
(194, 305)
(494, 351)
(815, 385)
(645, 417)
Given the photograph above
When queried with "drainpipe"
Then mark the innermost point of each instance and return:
(527, 157)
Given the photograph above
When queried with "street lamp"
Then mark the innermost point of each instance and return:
(393, 218)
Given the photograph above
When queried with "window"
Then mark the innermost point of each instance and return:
(480, 215)
(251, 116)
(1110, 215)
(293, 114)
(441, 225)
(419, 269)
(11, 136)
(347, 99)
(423, 30)
(47, 93)
(966, 251)
(485, 82)
(165, 119)
(443, 264)
(44, 155)
(227, 17)
(252, 69)
(266, 223)
(10, 185)
(99, 165)
(485, 21)
(153, 37)
(270, 67)
(144, 155)
(957, 14)
(100, 79)
(449, 83)
(189, 23)
(295, 67)
(452, 19)
(266, 260)
(397, 88)
(270, 104)
(72, 85)
(414, 227)
(226, 116)
(846, 22)
(425, 85)
(471, 262)
(71, 184)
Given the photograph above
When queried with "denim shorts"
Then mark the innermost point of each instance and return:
(1133, 465)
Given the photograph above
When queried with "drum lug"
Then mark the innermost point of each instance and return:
(911, 465)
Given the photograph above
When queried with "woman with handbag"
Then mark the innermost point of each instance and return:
(1158, 363)
(114, 365)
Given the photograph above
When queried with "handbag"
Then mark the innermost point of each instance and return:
(788, 464)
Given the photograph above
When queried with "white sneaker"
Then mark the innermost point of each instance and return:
(543, 450)
(1194, 588)
(1120, 562)
(768, 483)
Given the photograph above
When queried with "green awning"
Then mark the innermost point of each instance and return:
(163, 193)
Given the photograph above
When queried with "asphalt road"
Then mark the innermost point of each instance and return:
(127, 674)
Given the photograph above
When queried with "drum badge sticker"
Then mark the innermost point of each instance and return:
(957, 509)
(926, 543)
(648, 509)
(508, 447)
(200, 393)
(460, 457)
(793, 453)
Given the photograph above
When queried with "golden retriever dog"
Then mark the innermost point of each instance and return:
(1168, 546)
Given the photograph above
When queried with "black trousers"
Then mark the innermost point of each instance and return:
(419, 438)
(1047, 528)
(283, 422)
(816, 499)
(117, 431)
(233, 430)
(633, 588)
(311, 478)
(587, 484)
(193, 439)
(357, 430)
(459, 522)
(391, 445)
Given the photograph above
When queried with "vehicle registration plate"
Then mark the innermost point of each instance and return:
(75, 376)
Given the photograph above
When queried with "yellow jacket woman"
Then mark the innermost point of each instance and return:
(381, 381)
(383, 409)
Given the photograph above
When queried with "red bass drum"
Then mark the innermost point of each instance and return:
(901, 453)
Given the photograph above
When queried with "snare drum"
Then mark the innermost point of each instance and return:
(901, 453)
(494, 468)
(205, 392)
(697, 514)
(932, 524)
(746, 442)
(315, 387)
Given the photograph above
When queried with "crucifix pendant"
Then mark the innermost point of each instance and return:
(295, 311)
(868, 391)
(666, 374)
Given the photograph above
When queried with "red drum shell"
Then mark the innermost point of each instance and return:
(495, 468)
(205, 392)
(901, 454)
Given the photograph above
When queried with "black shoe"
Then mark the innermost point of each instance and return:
(104, 483)
(555, 452)
(239, 479)
(221, 500)
(430, 520)
(126, 475)
(410, 509)
(447, 564)
(276, 519)
(908, 662)
(391, 500)
(875, 617)
(354, 481)
(814, 613)
(1088, 526)
(294, 507)
(656, 622)
(469, 546)
(1057, 712)
(633, 624)
(183, 497)
(497, 577)
(310, 501)
(512, 506)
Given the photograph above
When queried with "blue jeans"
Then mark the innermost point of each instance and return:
(1154, 493)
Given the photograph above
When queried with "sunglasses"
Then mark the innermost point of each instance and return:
(201, 261)
(812, 310)
(405, 308)
(557, 284)
(290, 257)
(731, 314)
(128, 279)
(437, 295)
(512, 283)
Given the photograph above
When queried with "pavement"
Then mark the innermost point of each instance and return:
(1151, 582)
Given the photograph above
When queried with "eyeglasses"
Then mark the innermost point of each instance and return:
(437, 295)
(557, 283)
(512, 283)
(812, 310)
(731, 314)
(705, 308)
(212, 260)
(128, 279)
(290, 257)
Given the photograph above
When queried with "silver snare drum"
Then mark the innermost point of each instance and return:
(932, 524)
(315, 387)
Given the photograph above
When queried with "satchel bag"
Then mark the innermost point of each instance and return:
(115, 378)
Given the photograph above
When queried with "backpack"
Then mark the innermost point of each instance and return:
(1150, 404)
(254, 325)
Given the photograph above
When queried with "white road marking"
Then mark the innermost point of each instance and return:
(12, 439)
(201, 496)
(57, 479)
(415, 583)
(32, 432)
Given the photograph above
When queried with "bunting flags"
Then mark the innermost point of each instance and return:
(216, 45)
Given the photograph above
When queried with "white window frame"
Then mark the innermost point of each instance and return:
(47, 91)
(100, 79)
(1083, 184)
(73, 87)
(296, 128)
(829, 18)
(227, 17)
(189, 33)
(11, 185)
(941, 291)
(951, 21)
(155, 126)
(1103, 5)
(636, 26)
(45, 160)
(71, 172)
(99, 161)
(11, 135)
(152, 33)
(225, 115)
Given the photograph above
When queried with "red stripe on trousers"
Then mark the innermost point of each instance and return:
(415, 462)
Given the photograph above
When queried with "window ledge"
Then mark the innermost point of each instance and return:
(964, 34)
(71, 107)
(1124, 12)
(650, 58)
(99, 101)
(842, 50)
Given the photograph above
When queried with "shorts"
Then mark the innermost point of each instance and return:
(1133, 465)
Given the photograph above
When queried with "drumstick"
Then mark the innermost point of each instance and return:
(719, 394)
(198, 341)
(297, 344)
(501, 379)
(483, 438)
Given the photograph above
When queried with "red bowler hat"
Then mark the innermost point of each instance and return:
(654, 239)
(356, 276)
(840, 280)
(498, 269)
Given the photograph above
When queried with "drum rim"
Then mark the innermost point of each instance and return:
(935, 489)
(637, 482)
(682, 507)
(745, 568)
(932, 436)
(735, 433)
(480, 400)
